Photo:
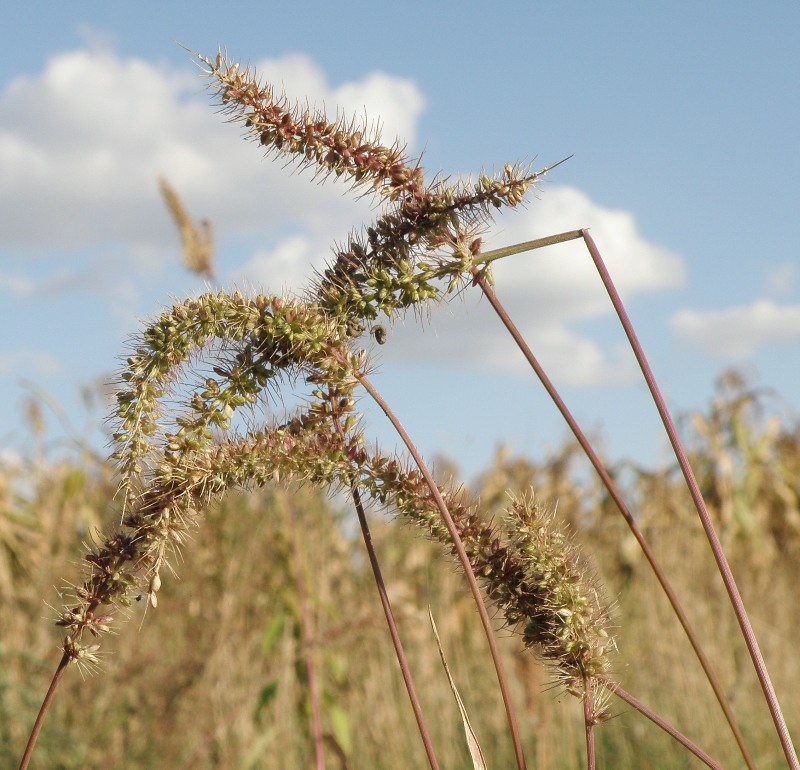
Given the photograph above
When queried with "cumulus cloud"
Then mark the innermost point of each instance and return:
(549, 292)
(549, 289)
(81, 146)
(739, 332)
(84, 141)
(562, 279)
(284, 268)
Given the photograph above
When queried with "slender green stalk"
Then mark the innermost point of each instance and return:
(487, 257)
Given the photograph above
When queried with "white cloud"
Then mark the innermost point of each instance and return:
(80, 149)
(562, 279)
(547, 291)
(739, 332)
(284, 268)
(84, 141)
(571, 358)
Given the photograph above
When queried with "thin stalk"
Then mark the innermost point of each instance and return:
(306, 637)
(402, 660)
(390, 620)
(616, 496)
(465, 565)
(48, 699)
(711, 534)
(663, 724)
(487, 257)
(588, 722)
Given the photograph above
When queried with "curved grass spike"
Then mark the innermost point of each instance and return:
(170, 463)
(177, 446)
(529, 569)
(431, 229)
(173, 464)
(460, 551)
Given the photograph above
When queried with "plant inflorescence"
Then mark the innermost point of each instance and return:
(193, 421)
(176, 445)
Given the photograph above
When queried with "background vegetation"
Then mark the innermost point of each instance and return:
(215, 676)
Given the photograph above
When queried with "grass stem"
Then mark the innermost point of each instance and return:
(48, 699)
(622, 506)
(395, 634)
(465, 565)
(662, 723)
(702, 510)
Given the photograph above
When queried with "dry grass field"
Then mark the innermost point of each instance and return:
(216, 677)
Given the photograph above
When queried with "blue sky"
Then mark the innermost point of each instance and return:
(682, 119)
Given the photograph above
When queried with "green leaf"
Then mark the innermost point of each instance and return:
(272, 633)
(268, 693)
(341, 728)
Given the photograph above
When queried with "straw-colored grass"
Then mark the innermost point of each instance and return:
(215, 677)
(270, 649)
